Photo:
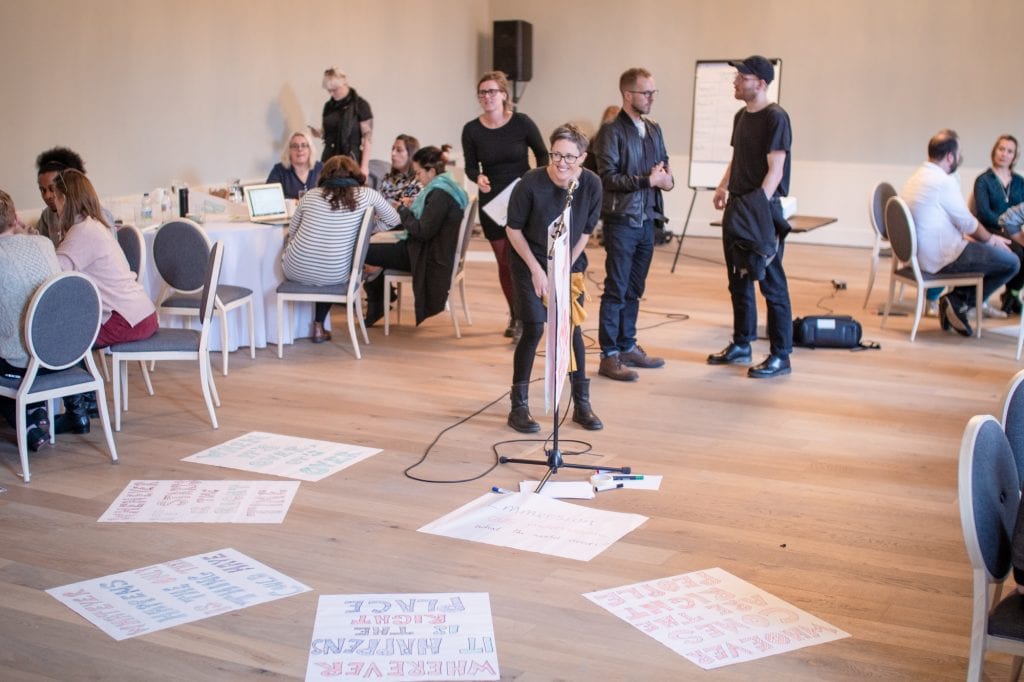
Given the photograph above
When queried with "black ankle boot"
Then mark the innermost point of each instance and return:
(75, 418)
(582, 414)
(519, 418)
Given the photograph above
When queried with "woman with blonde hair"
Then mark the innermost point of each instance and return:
(297, 172)
(496, 145)
(347, 122)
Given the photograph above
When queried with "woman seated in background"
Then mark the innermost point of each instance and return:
(298, 172)
(89, 247)
(323, 230)
(432, 221)
(996, 190)
(400, 182)
(26, 261)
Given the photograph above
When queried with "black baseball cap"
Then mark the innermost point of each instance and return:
(756, 66)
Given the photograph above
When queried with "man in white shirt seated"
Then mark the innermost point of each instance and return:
(949, 238)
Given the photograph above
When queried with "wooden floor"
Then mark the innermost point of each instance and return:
(833, 488)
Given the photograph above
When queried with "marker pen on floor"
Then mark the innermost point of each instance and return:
(600, 489)
(627, 478)
(502, 491)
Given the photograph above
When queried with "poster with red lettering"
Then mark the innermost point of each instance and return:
(447, 636)
(715, 619)
(161, 596)
(202, 502)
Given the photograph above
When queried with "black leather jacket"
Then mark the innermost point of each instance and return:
(619, 152)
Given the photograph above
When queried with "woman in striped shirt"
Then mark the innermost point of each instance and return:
(324, 228)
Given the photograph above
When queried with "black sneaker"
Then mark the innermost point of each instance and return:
(957, 318)
(943, 319)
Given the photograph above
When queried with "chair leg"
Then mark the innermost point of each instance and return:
(398, 302)
(918, 309)
(101, 403)
(21, 427)
(1015, 668)
(103, 364)
(120, 375)
(213, 384)
(874, 270)
(455, 318)
(223, 340)
(145, 377)
(351, 313)
(280, 327)
(252, 330)
(206, 381)
(362, 323)
(979, 302)
(465, 303)
(387, 307)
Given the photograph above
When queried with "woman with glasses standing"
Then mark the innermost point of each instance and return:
(297, 172)
(536, 203)
(496, 145)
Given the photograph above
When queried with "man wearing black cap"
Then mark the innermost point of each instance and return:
(754, 230)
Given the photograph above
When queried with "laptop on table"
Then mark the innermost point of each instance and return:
(266, 203)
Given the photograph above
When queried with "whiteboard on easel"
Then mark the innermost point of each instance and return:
(714, 107)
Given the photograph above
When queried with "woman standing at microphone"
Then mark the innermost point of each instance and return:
(536, 202)
(496, 145)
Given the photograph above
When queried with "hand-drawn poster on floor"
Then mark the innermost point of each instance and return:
(403, 637)
(556, 356)
(715, 619)
(161, 596)
(287, 456)
(536, 524)
(202, 502)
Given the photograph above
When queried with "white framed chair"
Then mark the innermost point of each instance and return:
(989, 496)
(350, 293)
(899, 226)
(458, 281)
(181, 250)
(187, 345)
(61, 324)
(876, 216)
(133, 245)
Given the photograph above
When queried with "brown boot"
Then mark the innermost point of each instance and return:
(613, 368)
(319, 333)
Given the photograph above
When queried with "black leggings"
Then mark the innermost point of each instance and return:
(526, 349)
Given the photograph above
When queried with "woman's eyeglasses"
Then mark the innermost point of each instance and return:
(568, 158)
(491, 92)
(300, 145)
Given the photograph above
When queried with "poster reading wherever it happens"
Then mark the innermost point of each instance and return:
(161, 596)
(403, 637)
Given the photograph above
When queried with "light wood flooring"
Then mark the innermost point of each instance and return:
(833, 488)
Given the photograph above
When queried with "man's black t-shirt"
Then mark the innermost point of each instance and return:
(754, 135)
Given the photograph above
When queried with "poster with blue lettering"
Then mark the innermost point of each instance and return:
(715, 619)
(288, 456)
(160, 596)
(202, 502)
(446, 636)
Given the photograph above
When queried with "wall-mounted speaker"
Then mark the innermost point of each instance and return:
(513, 49)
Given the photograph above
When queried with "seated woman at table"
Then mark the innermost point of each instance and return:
(996, 190)
(26, 261)
(298, 172)
(399, 182)
(536, 202)
(89, 247)
(323, 230)
(432, 221)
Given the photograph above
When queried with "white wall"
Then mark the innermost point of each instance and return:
(150, 90)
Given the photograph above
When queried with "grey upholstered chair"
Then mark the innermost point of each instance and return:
(399, 277)
(1013, 419)
(899, 226)
(181, 250)
(989, 493)
(61, 324)
(350, 293)
(133, 245)
(378, 169)
(876, 215)
(175, 344)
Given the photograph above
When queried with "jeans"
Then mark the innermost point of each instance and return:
(629, 252)
(998, 265)
(775, 290)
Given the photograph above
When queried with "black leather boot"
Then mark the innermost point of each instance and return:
(582, 414)
(76, 416)
(519, 418)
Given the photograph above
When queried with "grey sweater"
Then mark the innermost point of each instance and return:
(26, 261)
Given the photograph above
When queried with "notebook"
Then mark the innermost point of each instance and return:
(266, 203)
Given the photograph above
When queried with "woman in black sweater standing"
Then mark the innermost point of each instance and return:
(496, 145)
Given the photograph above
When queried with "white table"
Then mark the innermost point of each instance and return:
(252, 259)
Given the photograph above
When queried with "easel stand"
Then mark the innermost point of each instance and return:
(679, 249)
(554, 460)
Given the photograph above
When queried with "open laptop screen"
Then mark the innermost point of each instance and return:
(266, 203)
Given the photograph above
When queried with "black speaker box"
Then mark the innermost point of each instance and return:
(513, 49)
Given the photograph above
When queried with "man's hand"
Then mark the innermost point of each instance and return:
(719, 199)
(660, 177)
(540, 282)
(999, 242)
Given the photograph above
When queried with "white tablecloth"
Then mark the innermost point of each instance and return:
(252, 259)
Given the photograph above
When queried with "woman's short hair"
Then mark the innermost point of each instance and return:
(286, 158)
(570, 132)
(333, 74)
(501, 80)
(339, 168)
(432, 158)
(1016, 148)
(412, 145)
(80, 199)
(8, 216)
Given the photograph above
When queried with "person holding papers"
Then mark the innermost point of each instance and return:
(537, 201)
(432, 222)
(323, 231)
(298, 172)
(496, 145)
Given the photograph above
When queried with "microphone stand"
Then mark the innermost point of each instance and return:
(553, 460)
